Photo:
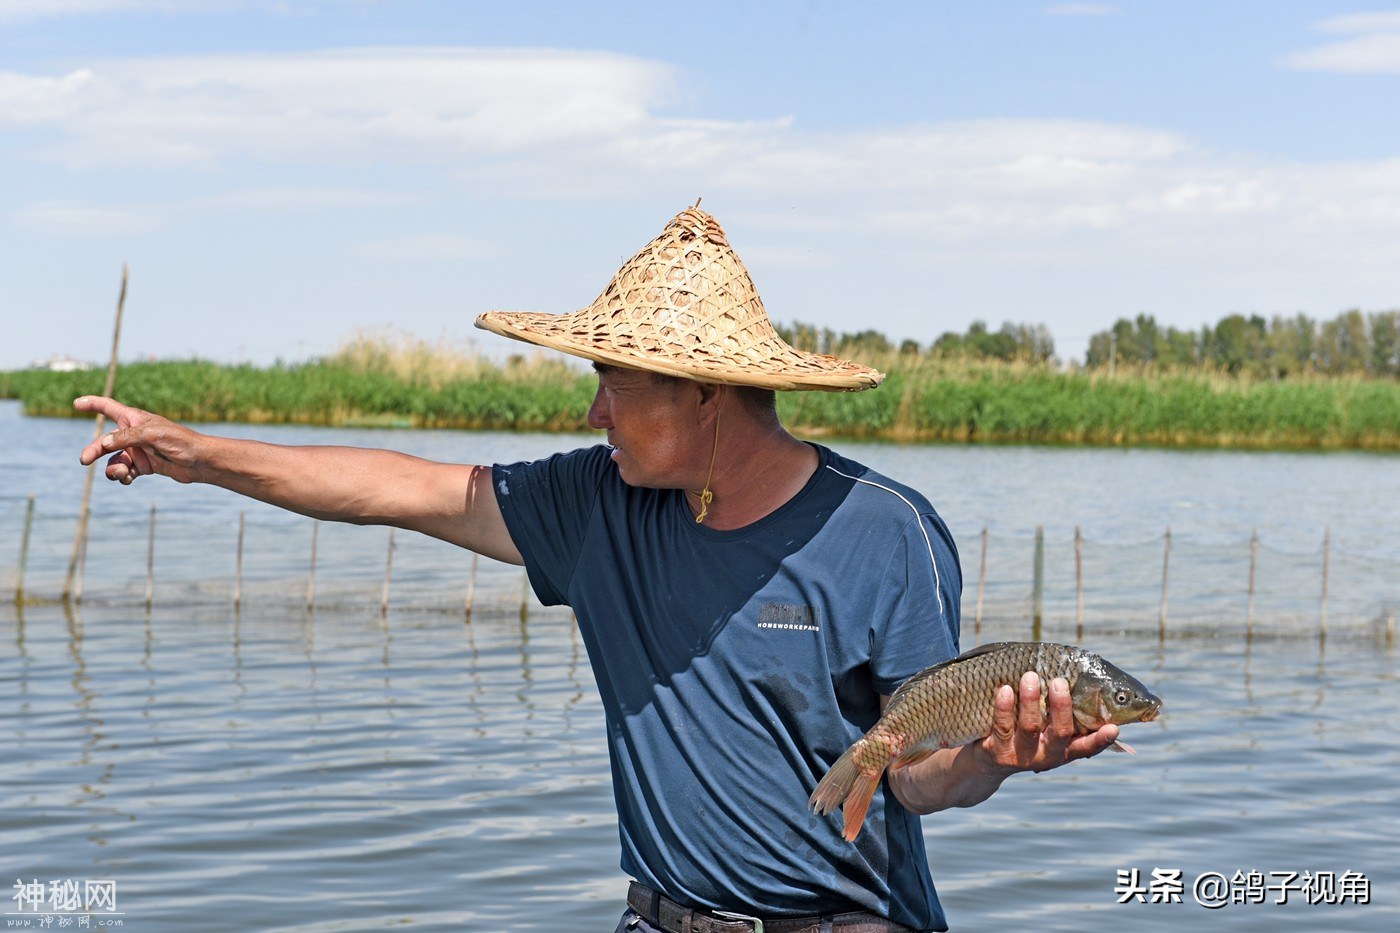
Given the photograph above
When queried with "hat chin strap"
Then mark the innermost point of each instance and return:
(706, 496)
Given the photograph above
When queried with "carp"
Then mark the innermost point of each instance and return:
(952, 703)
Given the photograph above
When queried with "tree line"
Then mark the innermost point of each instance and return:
(1352, 343)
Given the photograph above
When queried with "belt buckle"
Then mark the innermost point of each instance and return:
(731, 915)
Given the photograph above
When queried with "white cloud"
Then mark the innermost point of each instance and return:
(85, 220)
(1362, 22)
(34, 9)
(14, 10)
(301, 198)
(400, 104)
(1373, 46)
(571, 128)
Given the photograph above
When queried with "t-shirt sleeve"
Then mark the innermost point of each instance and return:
(916, 624)
(547, 505)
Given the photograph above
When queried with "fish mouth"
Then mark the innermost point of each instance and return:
(1152, 712)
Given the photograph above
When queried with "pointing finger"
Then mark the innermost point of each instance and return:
(110, 407)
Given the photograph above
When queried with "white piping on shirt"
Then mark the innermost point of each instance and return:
(937, 582)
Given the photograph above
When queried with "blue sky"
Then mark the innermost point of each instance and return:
(281, 175)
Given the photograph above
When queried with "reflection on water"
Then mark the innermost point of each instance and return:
(354, 771)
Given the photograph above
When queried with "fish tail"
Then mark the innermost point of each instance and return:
(857, 802)
(849, 786)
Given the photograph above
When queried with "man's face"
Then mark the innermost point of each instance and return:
(652, 426)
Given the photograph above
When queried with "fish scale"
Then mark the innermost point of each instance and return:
(953, 703)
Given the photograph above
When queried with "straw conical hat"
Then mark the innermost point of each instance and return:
(685, 306)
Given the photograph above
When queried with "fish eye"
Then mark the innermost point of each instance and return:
(1122, 697)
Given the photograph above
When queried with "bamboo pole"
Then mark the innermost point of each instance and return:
(24, 550)
(1038, 591)
(1253, 564)
(1326, 567)
(981, 580)
(238, 567)
(1078, 585)
(311, 582)
(1166, 560)
(82, 570)
(151, 559)
(471, 584)
(388, 576)
(524, 596)
(72, 583)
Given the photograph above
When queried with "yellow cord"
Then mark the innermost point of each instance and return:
(706, 496)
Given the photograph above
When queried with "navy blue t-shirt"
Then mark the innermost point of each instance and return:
(736, 666)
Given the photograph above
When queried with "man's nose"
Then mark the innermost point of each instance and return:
(598, 418)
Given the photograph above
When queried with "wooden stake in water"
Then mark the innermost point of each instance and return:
(1038, 592)
(471, 584)
(388, 576)
(982, 580)
(311, 583)
(24, 550)
(73, 583)
(238, 567)
(1078, 585)
(151, 559)
(1166, 560)
(1253, 563)
(1326, 566)
(524, 596)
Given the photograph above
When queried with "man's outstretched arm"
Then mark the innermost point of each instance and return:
(453, 502)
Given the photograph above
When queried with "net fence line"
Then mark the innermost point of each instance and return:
(1013, 582)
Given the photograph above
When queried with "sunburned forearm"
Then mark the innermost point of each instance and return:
(450, 501)
(333, 483)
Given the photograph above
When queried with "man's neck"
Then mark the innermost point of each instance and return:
(756, 473)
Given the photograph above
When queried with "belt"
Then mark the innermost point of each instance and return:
(660, 911)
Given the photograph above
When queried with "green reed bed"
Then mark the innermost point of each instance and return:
(922, 399)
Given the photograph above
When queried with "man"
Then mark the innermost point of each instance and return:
(749, 601)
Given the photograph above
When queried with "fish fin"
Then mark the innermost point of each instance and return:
(1121, 746)
(857, 802)
(836, 784)
(848, 787)
(911, 757)
(988, 648)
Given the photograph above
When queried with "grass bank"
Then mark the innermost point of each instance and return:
(923, 399)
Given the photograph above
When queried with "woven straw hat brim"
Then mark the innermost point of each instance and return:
(793, 370)
(685, 306)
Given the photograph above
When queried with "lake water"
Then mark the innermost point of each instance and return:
(274, 769)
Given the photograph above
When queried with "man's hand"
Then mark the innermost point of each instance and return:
(142, 444)
(1024, 738)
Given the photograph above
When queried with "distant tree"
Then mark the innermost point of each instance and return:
(1342, 344)
(806, 337)
(1236, 343)
(1385, 343)
(1142, 341)
(866, 342)
(1025, 342)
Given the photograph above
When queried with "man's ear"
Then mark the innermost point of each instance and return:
(712, 399)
